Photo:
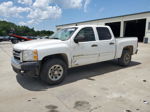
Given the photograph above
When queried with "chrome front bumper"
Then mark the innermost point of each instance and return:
(26, 68)
(15, 63)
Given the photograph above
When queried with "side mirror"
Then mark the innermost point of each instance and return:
(78, 39)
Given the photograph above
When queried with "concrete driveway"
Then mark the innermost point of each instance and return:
(103, 87)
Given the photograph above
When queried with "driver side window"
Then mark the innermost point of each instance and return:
(87, 34)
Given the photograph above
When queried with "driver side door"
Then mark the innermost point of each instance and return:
(85, 51)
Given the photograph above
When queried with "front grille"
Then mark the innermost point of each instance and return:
(17, 54)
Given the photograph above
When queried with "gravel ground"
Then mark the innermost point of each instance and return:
(102, 87)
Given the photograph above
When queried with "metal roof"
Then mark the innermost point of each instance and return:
(105, 18)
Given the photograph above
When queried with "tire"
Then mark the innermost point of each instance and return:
(14, 41)
(53, 71)
(125, 59)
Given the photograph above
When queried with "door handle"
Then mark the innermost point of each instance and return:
(111, 43)
(94, 45)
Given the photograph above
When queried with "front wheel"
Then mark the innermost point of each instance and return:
(53, 71)
(125, 59)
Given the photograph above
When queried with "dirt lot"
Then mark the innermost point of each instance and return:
(103, 87)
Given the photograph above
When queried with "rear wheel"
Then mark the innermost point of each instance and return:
(53, 71)
(125, 59)
(14, 41)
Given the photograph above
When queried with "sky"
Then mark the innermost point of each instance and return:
(46, 14)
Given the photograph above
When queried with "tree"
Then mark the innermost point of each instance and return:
(7, 27)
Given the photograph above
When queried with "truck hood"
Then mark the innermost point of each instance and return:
(35, 44)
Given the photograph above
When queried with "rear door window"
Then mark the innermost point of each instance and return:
(103, 33)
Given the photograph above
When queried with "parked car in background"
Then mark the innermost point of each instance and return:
(16, 38)
(4, 38)
(44, 37)
(1, 38)
(70, 47)
(31, 37)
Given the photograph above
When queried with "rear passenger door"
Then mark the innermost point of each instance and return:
(106, 44)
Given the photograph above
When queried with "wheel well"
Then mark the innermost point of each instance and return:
(129, 48)
(59, 56)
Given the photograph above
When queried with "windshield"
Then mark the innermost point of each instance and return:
(63, 34)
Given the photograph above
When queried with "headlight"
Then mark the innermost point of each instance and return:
(29, 55)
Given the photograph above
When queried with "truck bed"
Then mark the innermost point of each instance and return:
(125, 41)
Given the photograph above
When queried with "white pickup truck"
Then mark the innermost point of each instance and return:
(70, 47)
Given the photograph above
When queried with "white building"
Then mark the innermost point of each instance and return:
(126, 25)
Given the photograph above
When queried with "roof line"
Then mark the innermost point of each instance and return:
(104, 18)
